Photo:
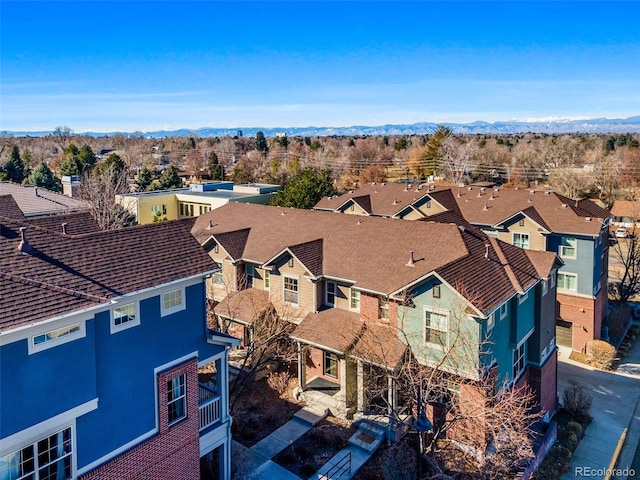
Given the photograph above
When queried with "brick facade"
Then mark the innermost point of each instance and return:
(315, 367)
(172, 454)
(370, 309)
(543, 380)
(581, 312)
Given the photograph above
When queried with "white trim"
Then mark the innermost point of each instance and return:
(437, 311)
(176, 308)
(113, 328)
(566, 290)
(513, 239)
(506, 310)
(351, 292)
(35, 348)
(326, 293)
(47, 427)
(561, 247)
(163, 368)
(284, 290)
(523, 297)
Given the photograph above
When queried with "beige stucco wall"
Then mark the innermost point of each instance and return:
(306, 290)
(537, 241)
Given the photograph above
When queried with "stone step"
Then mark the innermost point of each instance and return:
(311, 415)
(374, 429)
(364, 440)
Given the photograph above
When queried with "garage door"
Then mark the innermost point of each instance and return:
(564, 333)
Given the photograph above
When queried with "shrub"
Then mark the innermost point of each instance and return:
(279, 382)
(571, 437)
(564, 453)
(601, 354)
(576, 401)
(574, 427)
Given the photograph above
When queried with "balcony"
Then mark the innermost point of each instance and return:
(208, 406)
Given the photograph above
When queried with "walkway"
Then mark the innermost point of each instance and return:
(616, 399)
(255, 463)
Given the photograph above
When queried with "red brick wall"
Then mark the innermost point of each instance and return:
(544, 383)
(314, 366)
(172, 454)
(581, 311)
(470, 431)
(369, 309)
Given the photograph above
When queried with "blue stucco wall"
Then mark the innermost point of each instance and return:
(126, 361)
(587, 264)
(36, 387)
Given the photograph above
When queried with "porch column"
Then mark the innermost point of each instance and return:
(391, 396)
(302, 367)
(224, 457)
(343, 377)
(222, 384)
(360, 377)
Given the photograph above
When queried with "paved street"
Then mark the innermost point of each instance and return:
(615, 407)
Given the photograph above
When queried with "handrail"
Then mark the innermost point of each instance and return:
(342, 466)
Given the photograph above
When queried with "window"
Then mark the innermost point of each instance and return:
(503, 310)
(568, 247)
(56, 334)
(490, 322)
(521, 240)
(330, 294)
(522, 298)
(291, 290)
(125, 316)
(428, 204)
(383, 307)
(267, 279)
(330, 364)
(568, 282)
(521, 222)
(217, 279)
(181, 208)
(436, 291)
(173, 302)
(49, 458)
(177, 399)
(545, 286)
(436, 327)
(250, 273)
(158, 210)
(518, 361)
(355, 300)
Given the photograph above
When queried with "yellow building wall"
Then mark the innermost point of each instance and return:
(141, 206)
(537, 241)
(306, 290)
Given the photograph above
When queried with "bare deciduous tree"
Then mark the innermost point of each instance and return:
(99, 189)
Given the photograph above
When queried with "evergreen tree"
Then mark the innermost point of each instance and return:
(216, 171)
(42, 176)
(71, 164)
(14, 168)
(306, 189)
(87, 158)
(144, 179)
(261, 144)
(112, 162)
(170, 178)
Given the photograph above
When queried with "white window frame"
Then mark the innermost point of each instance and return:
(327, 293)
(523, 298)
(521, 234)
(250, 274)
(285, 290)
(266, 281)
(491, 322)
(54, 337)
(383, 307)
(563, 248)
(175, 308)
(519, 362)
(503, 310)
(330, 355)
(443, 313)
(566, 274)
(553, 278)
(68, 452)
(180, 398)
(354, 299)
(545, 286)
(129, 323)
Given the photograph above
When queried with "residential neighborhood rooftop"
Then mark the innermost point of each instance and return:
(40, 201)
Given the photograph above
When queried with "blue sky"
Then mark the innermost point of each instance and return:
(122, 65)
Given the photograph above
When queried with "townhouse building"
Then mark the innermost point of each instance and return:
(101, 337)
(577, 230)
(368, 294)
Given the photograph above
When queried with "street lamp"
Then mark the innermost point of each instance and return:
(422, 423)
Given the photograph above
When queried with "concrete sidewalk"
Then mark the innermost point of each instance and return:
(615, 400)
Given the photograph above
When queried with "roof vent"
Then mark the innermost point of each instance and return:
(24, 246)
(283, 212)
(373, 183)
(486, 207)
(210, 226)
(576, 202)
(564, 205)
(466, 199)
(359, 222)
(64, 228)
(492, 197)
(459, 194)
(461, 228)
(469, 188)
(486, 250)
(410, 186)
(432, 187)
(395, 201)
(496, 189)
(482, 189)
(411, 261)
(547, 193)
(587, 219)
(35, 191)
(532, 192)
(383, 184)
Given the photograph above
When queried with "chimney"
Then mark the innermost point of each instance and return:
(24, 246)
(411, 261)
(64, 228)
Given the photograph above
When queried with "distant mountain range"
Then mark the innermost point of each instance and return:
(556, 126)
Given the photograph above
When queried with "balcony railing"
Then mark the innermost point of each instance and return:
(209, 406)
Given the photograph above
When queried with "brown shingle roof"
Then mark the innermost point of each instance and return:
(379, 344)
(9, 208)
(626, 208)
(374, 252)
(333, 329)
(244, 306)
(65, 273)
